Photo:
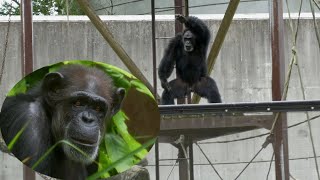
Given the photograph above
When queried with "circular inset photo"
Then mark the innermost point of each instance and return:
(80, 119)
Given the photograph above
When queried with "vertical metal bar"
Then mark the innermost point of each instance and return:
(191, 170)
(186, 7)
(26, 57)
(278, 69)
(27, 37)
(186, 13)
(178, 10)
(156, 148)
(154, 50)
(183, 164)
(178, 28)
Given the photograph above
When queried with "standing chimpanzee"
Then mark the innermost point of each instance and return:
(188, 51)
(71, 104)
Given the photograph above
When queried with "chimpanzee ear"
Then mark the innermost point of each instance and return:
(118, 97)
(52, 82)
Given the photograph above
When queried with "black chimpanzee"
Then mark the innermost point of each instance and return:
(188, 51)
(71, 104)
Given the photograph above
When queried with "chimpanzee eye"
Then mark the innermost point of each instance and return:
(77, 103)
(98, 108)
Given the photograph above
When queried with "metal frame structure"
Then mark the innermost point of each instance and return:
(210, 129)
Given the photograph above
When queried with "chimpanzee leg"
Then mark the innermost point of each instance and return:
(208, 89)
(178, 90)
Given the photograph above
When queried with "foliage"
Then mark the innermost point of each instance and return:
(43, 7)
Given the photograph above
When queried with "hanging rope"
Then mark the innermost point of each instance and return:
(6, 44)
(174, 165)
(268, 140)
(270, 164)
(314, 22)
(249, 163)
(215, 170)
(295, 60)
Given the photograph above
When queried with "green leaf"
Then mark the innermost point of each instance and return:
(117, 148)
(113, 165)
(119, 121)
(141, 87)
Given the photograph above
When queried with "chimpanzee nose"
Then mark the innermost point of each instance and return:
(87, 118)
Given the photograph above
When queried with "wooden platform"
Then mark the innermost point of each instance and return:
(202, 122)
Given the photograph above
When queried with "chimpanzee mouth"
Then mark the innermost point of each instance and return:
(84, 142)
(188, 48)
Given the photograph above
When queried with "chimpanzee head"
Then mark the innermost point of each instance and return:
(188, 41)
(80, 101)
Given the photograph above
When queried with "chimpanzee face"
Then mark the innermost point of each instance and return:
(80, 108)
(188, 41)
(84, 116)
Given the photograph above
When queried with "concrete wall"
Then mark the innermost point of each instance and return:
(242, 72)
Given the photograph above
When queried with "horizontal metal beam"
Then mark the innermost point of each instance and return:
(243, 107)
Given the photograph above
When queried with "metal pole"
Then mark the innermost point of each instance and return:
(156, 148)
(191, 159)
(154, 53)
(178, 4)
(26, 57)
(183, 163)
(278, 69)
(154, 50)
(27, 37)
(186, 7)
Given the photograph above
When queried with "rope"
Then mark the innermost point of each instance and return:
(249, 162)
(208, 160)
(172, 170)
(6, 44)
(314, 22)
(270, 164)
(295, 59)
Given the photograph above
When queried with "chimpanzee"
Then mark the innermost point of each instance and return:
(187, 51)
(72, 104)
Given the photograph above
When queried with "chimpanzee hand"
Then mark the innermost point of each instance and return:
(181, 18)
(165, 85)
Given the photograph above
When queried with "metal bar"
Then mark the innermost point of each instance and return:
(186, 7)
(272, 106)
(26, 57)
(191, 170)
(154, 51)
(280, 132)
(156, 148)
(183, 165)
(27, 37)
(178, 10)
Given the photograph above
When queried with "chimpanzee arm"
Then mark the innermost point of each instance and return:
(172, 53)
(24, 114)
(197, 27)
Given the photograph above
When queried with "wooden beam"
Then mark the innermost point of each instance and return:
(107, 35)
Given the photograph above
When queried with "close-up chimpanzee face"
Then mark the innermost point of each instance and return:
(79, 108)
(73, 105)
